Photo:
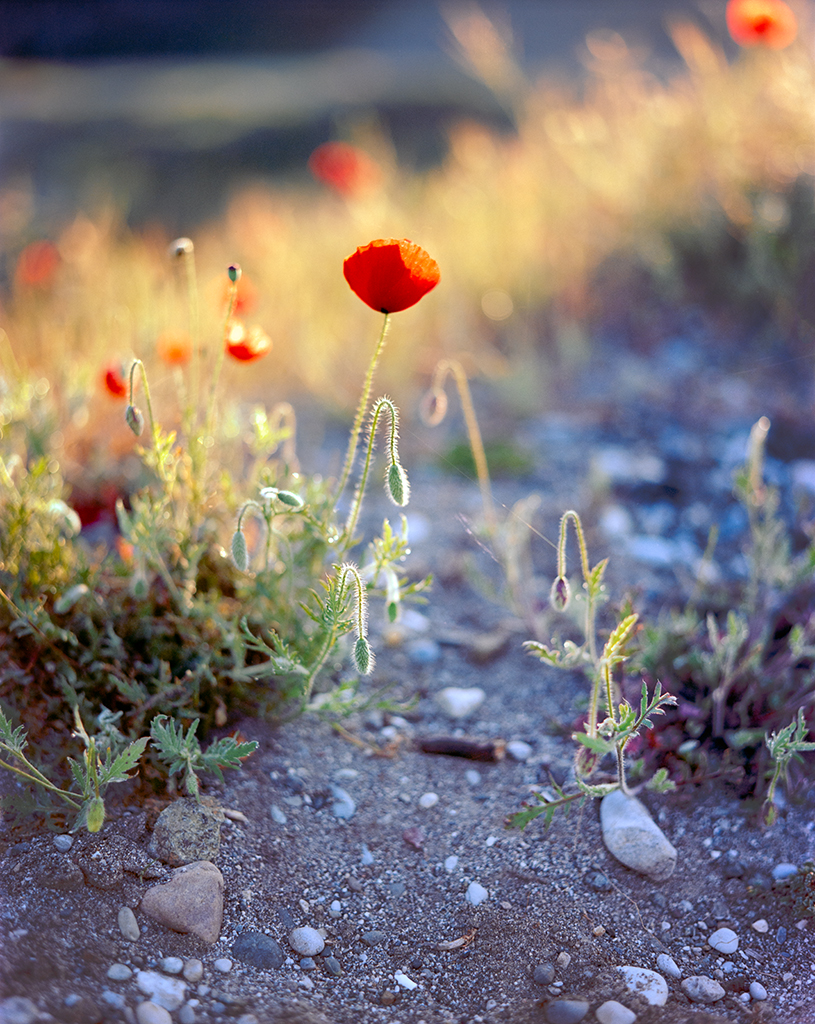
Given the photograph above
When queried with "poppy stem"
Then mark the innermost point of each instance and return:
(353, 441)
(356, 506)
(219, 362)
(137, 363)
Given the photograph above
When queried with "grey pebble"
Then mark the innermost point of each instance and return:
(119, 972)
(566, 1011)
(223, 965)
(278, 815)
(757, 992)
(186, 1014)
(185, 832)
(307, 963)
(18, 1010)
(343, 806)
(193, 970)
(782, 871)
(701, 989)
(667, 965)
(63, 843)
(171, 964)
(373, 938)
(519, 750)
(151, 1013)
(781, 935)
(306, 941)
(333, 966)
(128, 925)
(544, 974)
(113, 999)
(258, 950)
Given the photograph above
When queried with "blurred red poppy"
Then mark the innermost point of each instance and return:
(246, 344)
(344, 168)
(390, 275)
(769, 23)
(174, 347)
(37, 265)
(246, 295)
(113, 381)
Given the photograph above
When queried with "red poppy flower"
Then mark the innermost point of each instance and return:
(246, 345)
(174, 348)
(37, 264)
(390, 275)
(769, 23)
(344, 168)
(113, 381)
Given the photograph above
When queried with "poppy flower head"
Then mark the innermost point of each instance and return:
(37, 265)
(174, 348)
(390, 275)
(246, 344)
(114, 381)
(769, 23)
(344, 168)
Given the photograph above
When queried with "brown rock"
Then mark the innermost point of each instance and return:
(184, 832)
(192, 901)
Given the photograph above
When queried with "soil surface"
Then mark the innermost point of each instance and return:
(402, 869)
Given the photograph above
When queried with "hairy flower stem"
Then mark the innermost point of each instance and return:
(393, 455)
(138, 363)
(209, 422)
(353, 441)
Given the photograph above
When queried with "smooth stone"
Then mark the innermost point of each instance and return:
(223, 965)
(18, 1010)
(63, 843)
(782, 871)
(193, 970)
(172, 964)
(112, 999)
(544, 974)
(306, 941)
(757, 991)
(278, 814)
(186, 1015)
(374, 938)
(518, 750)
(167, 992)
(192, 902)
(335, 909)
(128, 925)
(450, 863)
(258, 950)
(152, 1013)
(667, 965)
(119, 972)
(333, 966)
(612, 1012)
(476, 893)
(761, 926)
(458, 701)
(185, 832)
(403, 981)
(428, 800)
(633, 837)
(566, 1011)
(724, 940)
(701, 989)
(343, 806)
(642, 982)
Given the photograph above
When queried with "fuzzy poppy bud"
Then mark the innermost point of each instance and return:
(95, 814)
(397, 485)
(291, 499)
(560, 594)
(363, 656)
(134, 418)
(234, 272)
(240, 556)
(434, 407)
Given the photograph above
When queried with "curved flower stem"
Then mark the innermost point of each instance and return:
(356, 506)
(353, 441)
(146, 386)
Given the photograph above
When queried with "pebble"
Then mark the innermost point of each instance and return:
(414, 837)
(18, 1010)
(476, 893)
(544, 974)
(701, 989)
(667, 965)
(374, 938)
(367, 857)
(128, 925)
(258, 950)
(761, 926)
(223, 965)
(781, 935)
(757, 991)
(782, 871)
(333, 966)
(403, 981)
(343, 806)
(473, 777)
(612, 1012)
(633, 837)
(428, 800)
(186, 1014)
(306, 941)
(423, 651)
(450, 863)
(566, 1011)
(278, 814)
(192, 902)
(563, 960)
(335, 909)
(724, 940)
(152, 1013)
(185, 832)
(119, 972)
(458, 702)
(193, 970)
(518, 750)
(167, 992)
(172, 965)
(651, 986)
(63, 843)
(112, 999)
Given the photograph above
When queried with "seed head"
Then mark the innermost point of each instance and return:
(234, 272)
(181, 247)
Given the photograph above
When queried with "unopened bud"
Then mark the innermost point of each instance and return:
(290, 498)
(560, 594)
(434, 407)
(240, 556)
(134, 419)
(234, 272)
(95, 814)
(181, 247)
(398, 485)
(363, 656)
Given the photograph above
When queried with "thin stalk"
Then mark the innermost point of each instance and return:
(138, 363)
(219, 362)
(35, 776)
(591, 610)
(356, 506)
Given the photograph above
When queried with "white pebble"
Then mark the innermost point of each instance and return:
(450, 863)
(193, 970)
(668, 966)
(458, 701)
(782, 871)
(306, 941)
(114, 999)
(476, 893)
(633, 837)
(403, 981)
(563, 961)
(701, 989)
(335, 909)
(167, 992)
(278, 814)
(651, 986)
(612, 1012)
(473, 777)
(223, 965)
(724, 940)
(518, 750)
(757, 991)
(63, 843)
(128, 925)
(172, 964)
(119, 972)
(761, 926)
(428, 800)
(152, 1013)
(491, 840)
(367, 856)
(186, 1015)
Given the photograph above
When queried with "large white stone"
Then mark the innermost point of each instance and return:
(701, 989)
(612, 1012)
(724, 940)
(642, 982)
(634, 838)
(167, 992)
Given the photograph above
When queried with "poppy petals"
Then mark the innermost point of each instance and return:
(769, 23)
(113, 381)
(390, 275)
(246, 344)
(174, 348)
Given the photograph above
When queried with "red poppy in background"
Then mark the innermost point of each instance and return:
(113, 381)
(37, 265)
(390, 275)
(246, 295)
(246, 345)
(174, 348)
(769, 23)
(344, 168)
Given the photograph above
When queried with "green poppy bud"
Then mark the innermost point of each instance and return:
(291, 499)
(134, 419)
(234, 272)
(560, 594)
(95, 814)
(397, 485)
(363, 656)
(240, 556)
